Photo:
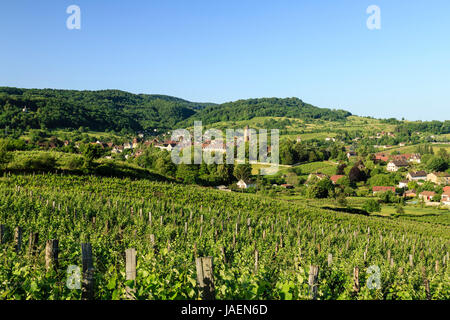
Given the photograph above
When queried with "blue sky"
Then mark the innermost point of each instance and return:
(216, 51)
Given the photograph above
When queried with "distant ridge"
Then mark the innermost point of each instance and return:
(123, 111)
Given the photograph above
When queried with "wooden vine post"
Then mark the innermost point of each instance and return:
(2, 234)
(87, 290)
(152, 240)
(33, 243)
(51, 254)
(130, 265)
(313, 281)
(205, 277)
(18, 238)
(356, 280)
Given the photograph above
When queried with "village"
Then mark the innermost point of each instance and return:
(403, 175)
(406, 164)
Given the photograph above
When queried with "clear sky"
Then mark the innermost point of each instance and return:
(222, 50)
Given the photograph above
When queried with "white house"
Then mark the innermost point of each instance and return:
(403, 184)
(245, 184)
(167, 146)
(395, 165)
(351, 154)
(415, 157)
(445, 198)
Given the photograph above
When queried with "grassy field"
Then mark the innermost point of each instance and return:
(326, 167)
(411, 212)
(313, 129)
(412, 149)
(104, 136)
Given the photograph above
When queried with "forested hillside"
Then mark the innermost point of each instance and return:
(95, 110)
(122, 111)
(266, 107)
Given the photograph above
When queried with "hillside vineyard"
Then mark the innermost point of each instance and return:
(262, 248)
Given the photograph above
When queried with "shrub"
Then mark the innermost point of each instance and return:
(372, 206)
(341, 200)
(400, 210)
(321, 189)
(43, 162)
(387, 197)
(75, 163)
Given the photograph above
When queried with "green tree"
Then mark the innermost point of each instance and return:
(188, 173)
(5, 158)
(321, 189)
(225, 172)
(90, 153)
(436, 198)
(345, 181)
(399, 209)
(341, 200)
(165, 166)
(437, 164)
(243, 171)
(372, 205)
(387, 197)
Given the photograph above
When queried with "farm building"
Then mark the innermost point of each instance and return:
(317, 175)
(336, 177)
(378, 189)
(427, 195)
(410, 194)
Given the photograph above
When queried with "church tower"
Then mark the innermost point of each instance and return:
(246, 134)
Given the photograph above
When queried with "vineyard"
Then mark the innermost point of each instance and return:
(262, 248)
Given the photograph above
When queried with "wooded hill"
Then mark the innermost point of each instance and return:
(265, 107)
(122, 111)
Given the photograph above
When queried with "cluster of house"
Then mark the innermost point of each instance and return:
(248, 183)
(216, 145)
(135, 146)
(166, 145)
(321, 176)
(207, 145)
(427, 196)
(116, 149)
(382, 134)
(396, 162)
(439, 178)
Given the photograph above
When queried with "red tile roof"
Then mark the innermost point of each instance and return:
(381, 188)
(428, 193)
(336, 177)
